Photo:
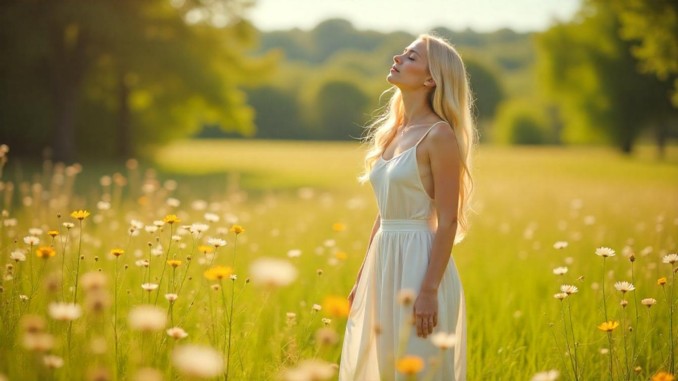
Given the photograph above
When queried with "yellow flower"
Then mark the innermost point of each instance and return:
(336, 306)
(608, 326)
(341, 255)
(80, 214)
(410, 365)
(338, 227)
(45, 252)
(174, 263)
(237, 229)
(53, 233)
(117, 252)
(170, 219)
(205, 249)
(218, 273)
(661, 281)
(663, 376)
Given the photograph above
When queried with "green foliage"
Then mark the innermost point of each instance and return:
(521, 122)
(589, 71)
(132, 73)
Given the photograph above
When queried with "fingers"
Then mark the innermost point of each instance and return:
(425, 324)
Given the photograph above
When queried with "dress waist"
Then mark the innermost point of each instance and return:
(390, 225)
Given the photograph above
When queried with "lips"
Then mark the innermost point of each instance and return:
(393, 69)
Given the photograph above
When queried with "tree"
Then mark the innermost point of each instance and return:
(147, 70)
(591, 74)
(341, 107)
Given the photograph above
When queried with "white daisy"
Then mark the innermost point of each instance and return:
(605, 252)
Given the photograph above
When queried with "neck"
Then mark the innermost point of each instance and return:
(416, 107)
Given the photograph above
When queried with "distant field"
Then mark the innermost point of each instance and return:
(299, 201)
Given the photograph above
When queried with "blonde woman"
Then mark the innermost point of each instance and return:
(408, 299)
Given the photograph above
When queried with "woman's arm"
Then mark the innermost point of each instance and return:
(375, 228)
(445, 164)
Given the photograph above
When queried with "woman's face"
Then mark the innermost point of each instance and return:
(410, 69)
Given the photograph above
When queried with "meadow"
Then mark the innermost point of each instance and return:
(232, 260)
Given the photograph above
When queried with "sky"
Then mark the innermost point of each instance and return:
(414, 16)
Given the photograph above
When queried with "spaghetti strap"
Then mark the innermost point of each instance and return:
(429, 130)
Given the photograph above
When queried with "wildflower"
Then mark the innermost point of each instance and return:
(624, 287)
(52, 361)
(53, 233)
(341, 255)
(559, 245)
(148, 374)
(149, 286)
(560, 295)
(171, 297)
(605, 252)
(444, 340)
(312, 369)
(68, 225)
(93, 281)
(173, 202)
(170, 219)
(338, 227)
(649, 302)
(233, 277)
(31, 240)
(661, 281)
(103, 205)
(336, 306)
(38, 342)
(147, 318)
(326, 321)
(142, 263)
(291, 318)
(294, 253)
(176, 333)
(608, 326)
(549, 375)
(406, 297)
(410, 365)
(569, 289)
(211, 217)
(45, 252)
(317, 307)
(272, 272)
(17, 255)
(624, 303)
(670, 259)
(237, 229)
(198, 361)
(560, 270)
(117, 252)
(35, 231)
(216, 242)
(198, 228)
(663, 376)
(205, 249)
(64, 311)
(80, 214)
(326, 336)
(218, 273)
(151, 229)
(174, 263)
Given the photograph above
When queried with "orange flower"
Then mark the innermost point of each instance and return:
(336, 306)
(80, 214)
(661, 281)
(174, 263)
(45, 252)
(608, 326)
(237, 229)
(170, 219)
(410, 365)
(218, 273)
(663, 376)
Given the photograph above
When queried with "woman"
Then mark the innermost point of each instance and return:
(419, 167)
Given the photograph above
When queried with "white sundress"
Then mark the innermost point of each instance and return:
(378, 330)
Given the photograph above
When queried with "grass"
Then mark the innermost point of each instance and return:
(302, 196)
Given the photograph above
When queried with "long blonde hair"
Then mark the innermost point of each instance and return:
(451, 100)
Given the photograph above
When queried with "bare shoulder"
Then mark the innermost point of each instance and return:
(442, 139)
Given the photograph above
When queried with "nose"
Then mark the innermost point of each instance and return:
(396, 58)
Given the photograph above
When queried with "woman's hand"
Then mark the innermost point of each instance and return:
(425, 313)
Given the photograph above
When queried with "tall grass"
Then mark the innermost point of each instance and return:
(299, 202)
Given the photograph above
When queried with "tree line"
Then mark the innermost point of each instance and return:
(115, 78)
